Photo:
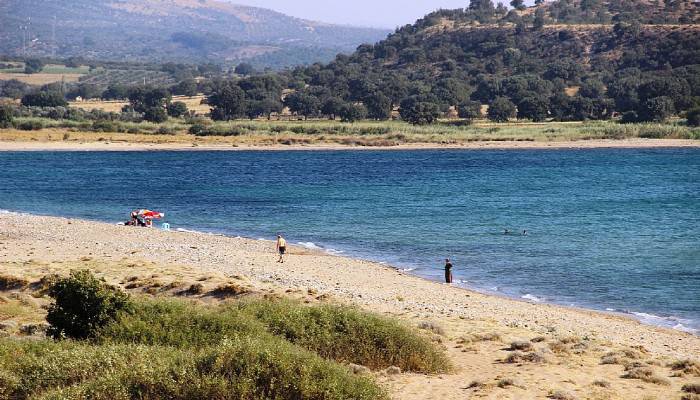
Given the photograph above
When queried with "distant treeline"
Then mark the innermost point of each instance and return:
(447, 65)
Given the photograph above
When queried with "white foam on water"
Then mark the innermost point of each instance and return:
(314, 246)
(310, 245)
(673, 322)
(531, 297)
(183, 230)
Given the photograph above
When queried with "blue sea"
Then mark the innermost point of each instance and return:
(607, 229)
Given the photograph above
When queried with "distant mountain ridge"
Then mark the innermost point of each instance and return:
(171, 30)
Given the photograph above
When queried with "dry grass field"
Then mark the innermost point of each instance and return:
(193, 104)
(40, 78)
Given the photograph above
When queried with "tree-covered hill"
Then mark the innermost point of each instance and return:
(170, 30)
(537, 61)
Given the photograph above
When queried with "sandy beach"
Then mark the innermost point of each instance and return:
(191, 146)
(476, 329)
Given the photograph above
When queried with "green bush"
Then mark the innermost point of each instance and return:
(693, 117)
(105, 126)
(237, 368)
(6, 116)
(346, 334)
(30, 125)
(83, 304)
(177, 323)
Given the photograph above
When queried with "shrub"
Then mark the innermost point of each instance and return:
(470, 110)
(33, 65)
(105, 126)
(501, 110)
(686, 367)
(155, 114)
(177, 109)
(237, 368)
(643, 372)
(8, 282)
(83, 305)
(177, 323)
(44, 99)
(691, 388)
(6, 116)
(197, 129)
(693, 117)
(347, 334)
(30, 125)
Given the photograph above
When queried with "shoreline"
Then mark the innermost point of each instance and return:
(9, 146)
(319, 250)
(573, 347)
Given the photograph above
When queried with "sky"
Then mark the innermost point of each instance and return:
(375, 13)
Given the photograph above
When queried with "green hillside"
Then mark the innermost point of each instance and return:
(170, 30)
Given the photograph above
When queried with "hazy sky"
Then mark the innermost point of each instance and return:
(379, 13)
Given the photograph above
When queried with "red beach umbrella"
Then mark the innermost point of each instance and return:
(148, 214)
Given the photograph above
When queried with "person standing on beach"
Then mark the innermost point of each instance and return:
(448, 271)
(281, 248)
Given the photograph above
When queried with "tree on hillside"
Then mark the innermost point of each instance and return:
(416, 111)
(44, 98)
(540, 19)
(13, 89)
(535, 108)
(116, 91)
(33, 65)
(187, 87)
(693, 117)
(177, 109)
(470, 110)
(263, 108)
(483, 10)
(302, 103)
(352, 112)
(6, 116)
(85, 91)
(378, 106)
(331, 107)
(657, 109)
(244, 69)
(151, 102)
(228, 102)
(501, 110)
(518, 4)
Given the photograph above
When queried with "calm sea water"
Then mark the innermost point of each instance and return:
(607, 229)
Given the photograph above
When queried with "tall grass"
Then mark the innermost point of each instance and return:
(238, 368)
(373, 133)
(255, 349)
(347, 334)
(343, 334)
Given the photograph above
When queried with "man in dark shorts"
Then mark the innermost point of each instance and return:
(448, 271)
(281, 248)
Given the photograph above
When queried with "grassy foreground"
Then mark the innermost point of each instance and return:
(367, 133)
(248, 349)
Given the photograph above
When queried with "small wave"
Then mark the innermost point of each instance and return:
(314, 246)
(309, 245)
(188, 231)
(531, 297)
(673, 322)
(406, 269)
(262, 239)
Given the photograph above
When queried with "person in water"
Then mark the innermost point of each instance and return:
(448, 271)
(281, 248)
